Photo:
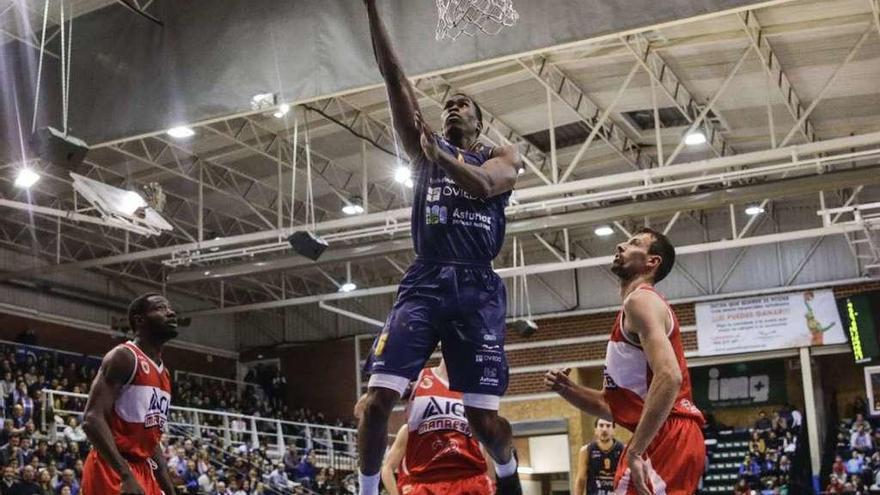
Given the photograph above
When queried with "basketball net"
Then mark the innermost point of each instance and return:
(457, 17)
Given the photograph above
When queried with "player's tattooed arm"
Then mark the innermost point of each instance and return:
(586, 399)
(496, 176)
(393, 459)
(401, 95)
(162, 474)
(115, 371)
(646, 314)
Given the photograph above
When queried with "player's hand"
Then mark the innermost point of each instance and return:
(130, 486)
(426, 139)
(639, 474)
(557, 379)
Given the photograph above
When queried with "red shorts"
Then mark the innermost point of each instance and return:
(675, 460)
(480, 484)
(100, 479)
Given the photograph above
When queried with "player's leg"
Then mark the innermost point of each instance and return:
(398, 355)
(473, 346)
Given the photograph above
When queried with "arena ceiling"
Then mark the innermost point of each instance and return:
(756, 82)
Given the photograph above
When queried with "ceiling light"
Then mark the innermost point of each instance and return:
(347, 287)
(207, 272)
(604, 231)
(283, 109)
(754, 210)
(520, 171)
(131, 202)
(181, 132)
(26, 178)
(402, 174)
(695, 138)
(408, 183)
(352, 209)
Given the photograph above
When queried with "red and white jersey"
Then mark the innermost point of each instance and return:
(141, 411)
(628, 375)
(440, 446)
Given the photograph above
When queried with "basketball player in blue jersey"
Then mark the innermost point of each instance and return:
(450, 294)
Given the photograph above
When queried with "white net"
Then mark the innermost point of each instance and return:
(457, 17)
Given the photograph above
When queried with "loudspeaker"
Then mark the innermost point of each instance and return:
(54, 147)
(307, 244)
(526, 328)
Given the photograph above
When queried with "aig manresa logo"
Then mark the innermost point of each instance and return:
(754, 387)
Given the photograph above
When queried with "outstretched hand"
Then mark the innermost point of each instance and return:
(557, 380)
(426, 138)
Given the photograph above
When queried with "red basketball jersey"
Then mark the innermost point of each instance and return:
(141, 411)
(440, 446)
(628, 375)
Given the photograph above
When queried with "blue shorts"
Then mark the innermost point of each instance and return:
(462, 306)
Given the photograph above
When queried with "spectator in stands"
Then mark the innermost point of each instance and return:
(68, 480)
(74, 432)
(757, 446)
(861, 441)
(18, 419)
(835, 485)
(763, 424)
(207, 480)
(290, 460)
(305, 470)
(859, 422)
(750, 469)
(45, 483)
(27, 485)
(855, 463)
(221, 489)
(742, 487)
(789, 443)
(8, 480)
(278, 478)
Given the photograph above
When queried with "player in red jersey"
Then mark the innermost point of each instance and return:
(435, 449)
(647, 386)
(128, 407)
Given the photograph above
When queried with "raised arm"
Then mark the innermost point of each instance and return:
(116, 369)
(393, 459)
(401, 95)
(586, 399)
(646, 314)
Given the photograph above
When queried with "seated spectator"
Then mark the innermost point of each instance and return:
(69, 481)
(838, 469)
(859, 421)
(789, 443)
(74, 431)
(305, 470)
(757, 446)
(742, 487)
(861, 440)
(190, 477)
(8, 480)
(207, 480)
(45, 483)
(27, 485)
(855, 463)
(290, 460)
(278, 478)
(221, 489)
(763, 424)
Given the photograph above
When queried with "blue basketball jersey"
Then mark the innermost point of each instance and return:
(450, 224)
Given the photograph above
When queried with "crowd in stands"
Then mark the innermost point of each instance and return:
(856, 467)
(766, 469)
(33, 462)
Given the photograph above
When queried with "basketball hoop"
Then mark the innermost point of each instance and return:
(457, 17)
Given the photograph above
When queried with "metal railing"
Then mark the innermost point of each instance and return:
(332, 446)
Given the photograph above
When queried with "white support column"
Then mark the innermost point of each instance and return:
(810, 411)
(365, 186)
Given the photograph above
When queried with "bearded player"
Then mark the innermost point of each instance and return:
(597, 461)
(647, 387)
(435, 449)
(128, 407)
(450, 294)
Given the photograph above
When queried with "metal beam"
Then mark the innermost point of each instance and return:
(771, 64)
(670, 84)
(568, 92)
(544, 268)
(655, 176)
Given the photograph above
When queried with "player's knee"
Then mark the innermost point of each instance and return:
(378, 404)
